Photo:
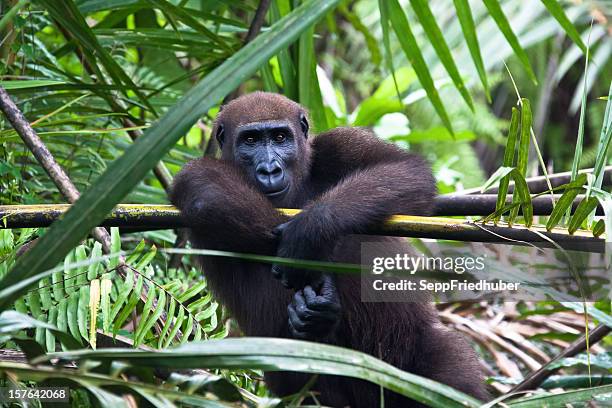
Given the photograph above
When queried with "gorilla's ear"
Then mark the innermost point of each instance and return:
(220, 134)
(304, 125)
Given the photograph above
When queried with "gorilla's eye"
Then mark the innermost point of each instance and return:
(279, 137)
(249, 140)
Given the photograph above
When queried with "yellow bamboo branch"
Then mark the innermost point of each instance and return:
(144, 216)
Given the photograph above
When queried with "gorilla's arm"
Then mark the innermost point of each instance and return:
(365, 181)
(223, 210)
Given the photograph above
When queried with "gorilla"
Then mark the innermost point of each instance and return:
(345, 180)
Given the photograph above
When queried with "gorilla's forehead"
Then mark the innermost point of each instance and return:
(259, 107)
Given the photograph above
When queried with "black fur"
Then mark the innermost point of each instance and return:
(346, 180)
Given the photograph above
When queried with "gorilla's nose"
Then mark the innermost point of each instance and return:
(270, 176)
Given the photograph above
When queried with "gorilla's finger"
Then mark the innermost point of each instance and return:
(294, 318)
(309, 294)
(299, 301)
(328, 287)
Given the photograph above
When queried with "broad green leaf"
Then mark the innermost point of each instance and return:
(500, 19)
(308, 83)
(554, 7)
(464, 14)
(124, 173)
(406, 38)
(270, 354)
(431, 28)
(561, 399)
(278, 9)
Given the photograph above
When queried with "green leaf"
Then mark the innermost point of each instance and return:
(433, 32)
(178, 322)
(554, 7)
(124, 173)
(115, 247)
(168, 325)
(583, 210)
(146, 310)
(83, 311)
(9, 15)
(13, 322)
(500, 19)
(522, 192)
(523, 147)
(105, 300)
(561, 399)
(509, 154)
(464, 14)
(599, 228)
(129, 307)
(270, 354)
(385, 22)
(571, 192)
(406, 38)
(68, 15)
(308, 83)
(123, 293)
(496, 177)
(603, 146)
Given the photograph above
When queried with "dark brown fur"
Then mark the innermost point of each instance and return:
(346, 181)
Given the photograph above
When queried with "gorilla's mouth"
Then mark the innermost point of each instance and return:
(277, 193)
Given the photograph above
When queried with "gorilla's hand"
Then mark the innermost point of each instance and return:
(312, 316)
(294, 242)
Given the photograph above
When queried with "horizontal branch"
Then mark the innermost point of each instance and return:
(538, 184)
(167, 216)
(484, 204)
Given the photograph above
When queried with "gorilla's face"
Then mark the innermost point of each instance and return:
(266, 136)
